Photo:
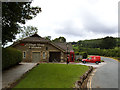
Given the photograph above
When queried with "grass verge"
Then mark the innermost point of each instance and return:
(52, 76)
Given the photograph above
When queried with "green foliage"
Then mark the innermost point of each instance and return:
(118, 41)
(73, 43)
(108, 43)
(107, 46)
(48, 37)
(103, 43)
(13, 14)
(76, 53)
(84, 55)
(60, 39)
(27, 31)
(102, 60)
(94, 43)
(10, 57)
(102, 52)
(52, 76)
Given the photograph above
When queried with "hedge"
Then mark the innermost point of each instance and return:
(10, 57)
(97, 51)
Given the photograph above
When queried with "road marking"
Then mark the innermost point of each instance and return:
(90, 79)
(89, 84)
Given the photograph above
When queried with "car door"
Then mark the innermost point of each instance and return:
(92, 59)
(89, 59)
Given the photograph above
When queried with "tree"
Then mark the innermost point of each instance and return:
(73, 43)
(27, 31)
(48, 37)
(60, 39)
(14, 14)
(84, 55)
(108, 43)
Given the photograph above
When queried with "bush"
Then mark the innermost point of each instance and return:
(102, 60)
(76, 53)
(79, 59)
(10, 57)
(84, 55)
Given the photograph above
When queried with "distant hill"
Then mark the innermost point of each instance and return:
(93, 43)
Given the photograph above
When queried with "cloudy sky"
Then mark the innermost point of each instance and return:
(76, 19)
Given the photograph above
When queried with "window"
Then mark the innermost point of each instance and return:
(90, 58)
(43, 55)
(46, 48)
(24, 54)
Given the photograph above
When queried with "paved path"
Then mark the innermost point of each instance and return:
(13, 74)
(107, 75)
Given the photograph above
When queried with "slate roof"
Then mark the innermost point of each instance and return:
(64, 46)
(36, 38)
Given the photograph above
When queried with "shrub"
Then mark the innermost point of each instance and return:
(84, 55)
(79, 59)
(102, 60)
(10, 57)
(76, 53)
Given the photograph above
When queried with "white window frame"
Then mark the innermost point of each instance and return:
(44, 56)
(24, 54)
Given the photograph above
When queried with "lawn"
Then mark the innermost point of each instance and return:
(52, 76)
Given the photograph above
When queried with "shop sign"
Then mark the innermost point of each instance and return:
(35, 45)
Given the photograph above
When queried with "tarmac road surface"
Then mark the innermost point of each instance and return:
(106, 76)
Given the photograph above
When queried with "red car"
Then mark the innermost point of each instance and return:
(92, 59)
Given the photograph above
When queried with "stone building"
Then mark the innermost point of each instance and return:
(38, 49)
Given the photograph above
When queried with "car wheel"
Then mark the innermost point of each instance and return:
(84, 62)
(97, 62)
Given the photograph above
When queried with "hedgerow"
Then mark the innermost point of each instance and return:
(102, 52)
(10, 57)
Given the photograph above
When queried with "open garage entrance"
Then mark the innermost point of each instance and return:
(54, 56)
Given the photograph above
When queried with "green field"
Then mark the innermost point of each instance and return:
(52, 76)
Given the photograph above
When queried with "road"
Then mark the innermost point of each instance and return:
(106, 76)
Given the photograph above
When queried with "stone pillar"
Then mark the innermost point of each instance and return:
(62, 57)
(41, 56)
(47, 56)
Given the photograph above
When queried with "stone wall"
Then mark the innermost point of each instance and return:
(43, 47)
(79, 83)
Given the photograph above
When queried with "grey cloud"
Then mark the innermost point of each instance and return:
(69, 30)
(92, 1)
(93, 24)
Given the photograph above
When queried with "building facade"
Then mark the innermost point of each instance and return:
(38, 49)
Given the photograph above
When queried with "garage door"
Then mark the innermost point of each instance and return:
(35, 56)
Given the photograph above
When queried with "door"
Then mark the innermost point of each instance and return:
(35, 56)
(54, 57)
(89, 59)
(92, 59)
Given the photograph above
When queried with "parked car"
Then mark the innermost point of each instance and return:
(92, 59)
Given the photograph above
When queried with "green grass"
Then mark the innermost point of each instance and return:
(52, 76)
(117, 58)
